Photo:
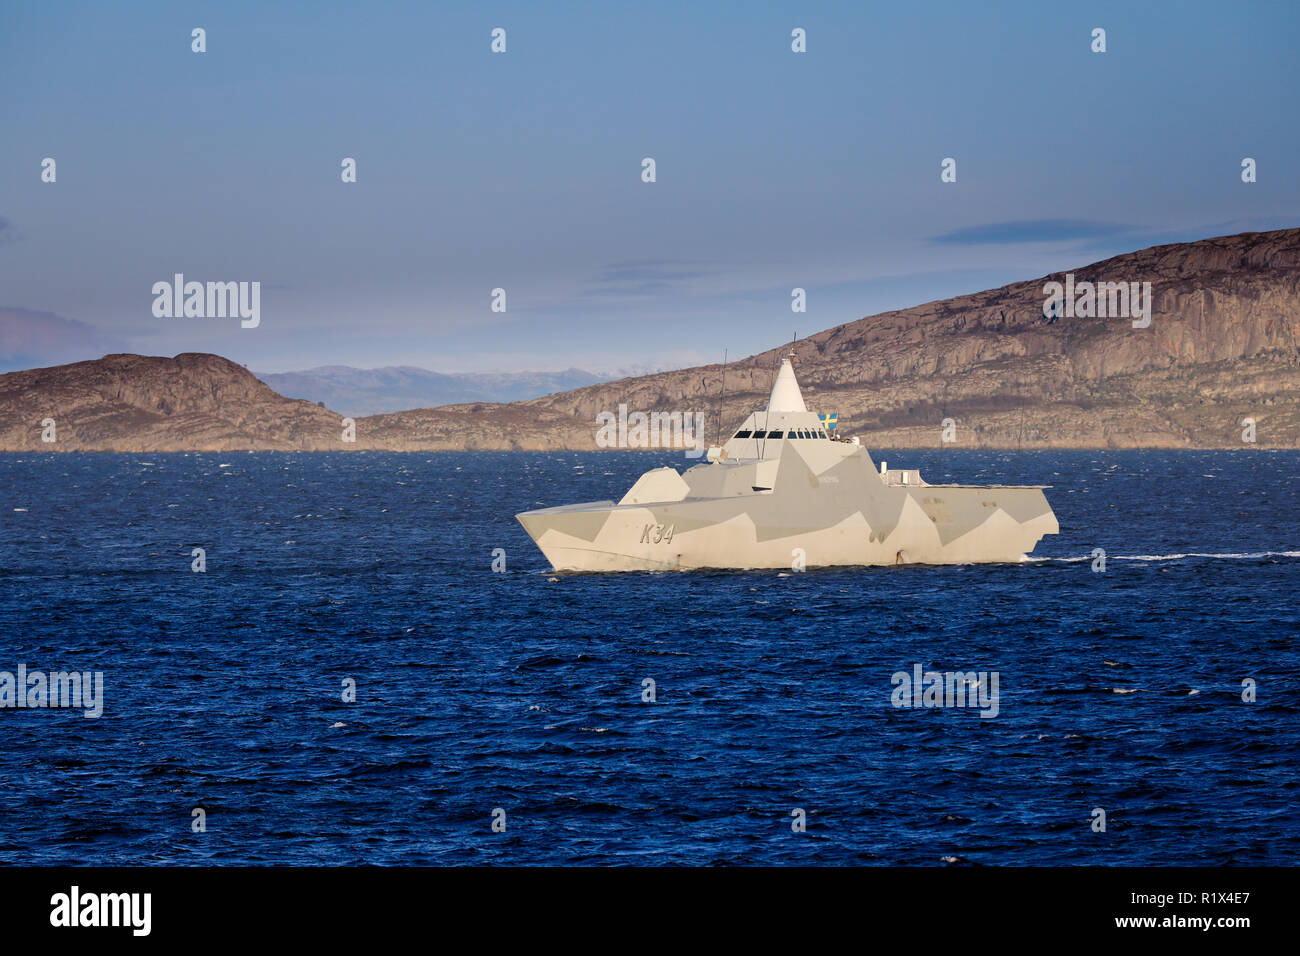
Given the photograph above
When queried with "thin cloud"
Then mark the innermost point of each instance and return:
(643, 278)
(1035, 230)
(665, 270)
(629, 290)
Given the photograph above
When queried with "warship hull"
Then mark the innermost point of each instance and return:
(815, 514)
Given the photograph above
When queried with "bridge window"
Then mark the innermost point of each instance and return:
(775, 434)
(742, 434)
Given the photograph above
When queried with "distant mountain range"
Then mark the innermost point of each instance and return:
(1216, 359)
(373, 391)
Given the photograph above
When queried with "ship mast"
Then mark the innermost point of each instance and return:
(722, 401)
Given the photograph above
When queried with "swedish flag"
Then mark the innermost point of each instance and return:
(829, 421)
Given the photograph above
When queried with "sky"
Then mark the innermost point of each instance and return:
(523, 170)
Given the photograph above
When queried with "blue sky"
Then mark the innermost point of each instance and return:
(522, 170)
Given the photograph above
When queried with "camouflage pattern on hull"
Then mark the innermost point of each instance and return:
(782, 493)
(845, 515)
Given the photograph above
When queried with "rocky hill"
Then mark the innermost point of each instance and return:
(1223, 344)
(138, 403)
(198, 402)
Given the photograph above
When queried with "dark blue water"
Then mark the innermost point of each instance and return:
(1119, 690)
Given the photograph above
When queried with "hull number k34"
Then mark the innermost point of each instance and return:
(656, 533)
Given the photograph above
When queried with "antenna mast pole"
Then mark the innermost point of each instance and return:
(722, 399)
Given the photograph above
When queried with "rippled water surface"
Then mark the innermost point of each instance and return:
(522, 691)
